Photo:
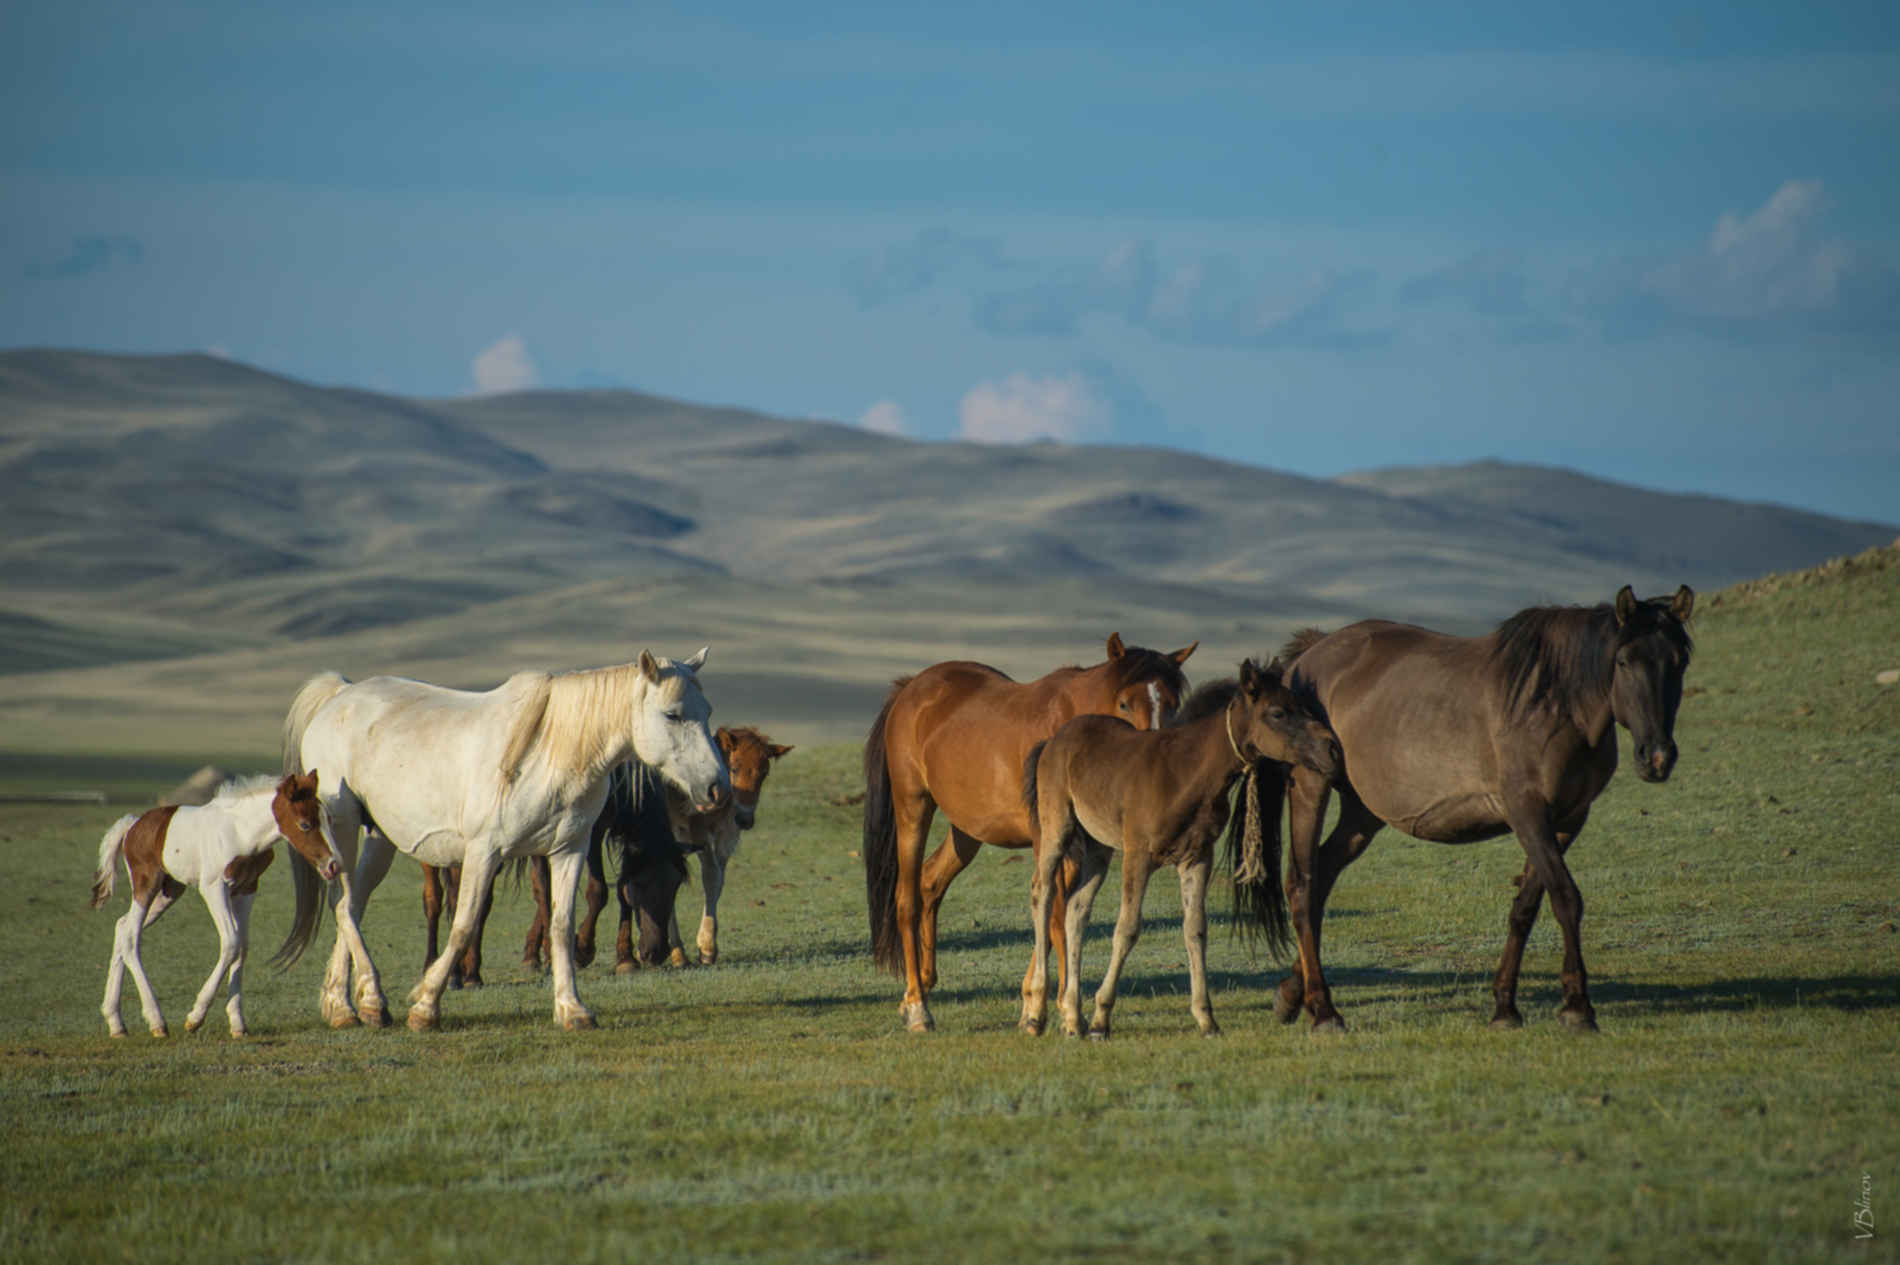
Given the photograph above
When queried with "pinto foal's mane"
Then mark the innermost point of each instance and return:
(250, 784)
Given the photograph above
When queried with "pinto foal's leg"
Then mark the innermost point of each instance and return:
(1194, 875)
(241, 910)
(217, 896)
(131, 930)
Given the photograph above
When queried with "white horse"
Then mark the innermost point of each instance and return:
(453, 777)
(221, 848)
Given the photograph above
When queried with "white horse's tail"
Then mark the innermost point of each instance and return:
(110, 847)
(304, 879)
(313, 694)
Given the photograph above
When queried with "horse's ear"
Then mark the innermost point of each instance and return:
(698, 661)
(778, 751)
(1115, 647)
(308, 783)
(649, 666)
(1625, 605)
(287, 787)
(1181, 656)
(1682, 604)
(724, 737)
(1249, 678)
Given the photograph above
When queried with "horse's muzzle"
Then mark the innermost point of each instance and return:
(1655, 763)
(330, 869)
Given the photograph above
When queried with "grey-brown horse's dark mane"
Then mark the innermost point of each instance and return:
(1565, 653)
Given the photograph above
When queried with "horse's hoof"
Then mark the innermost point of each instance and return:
(192, 1025)
(917, 1017)
(161, 1032)
(1506, 1021)
(1098, 1034)
(626, 968)
(1577, 1021)
(1211, 1030)
(583, 957)
(579, 1023)
(377, 1018)
(1034, 1027)
(344, 1019)
(116, 1033)
(1331, 1026)
(707, 959)
(1286, 1009)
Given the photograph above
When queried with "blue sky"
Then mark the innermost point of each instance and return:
(1655, 242)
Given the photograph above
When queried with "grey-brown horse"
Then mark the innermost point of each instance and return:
(1457, 739)
(1161, 797)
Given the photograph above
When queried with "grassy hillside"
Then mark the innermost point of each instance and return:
(183, 539)
(1740, 933)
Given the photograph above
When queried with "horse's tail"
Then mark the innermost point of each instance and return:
(1300, 642)
(110, 847)
(313, 694)
(309, 887)
(1253, 835)
(1032, 792)
(880, 842)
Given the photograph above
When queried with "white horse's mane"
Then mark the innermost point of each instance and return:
(575, 718)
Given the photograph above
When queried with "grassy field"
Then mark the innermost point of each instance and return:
(1741, 1100)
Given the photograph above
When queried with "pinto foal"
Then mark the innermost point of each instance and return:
(221, 848)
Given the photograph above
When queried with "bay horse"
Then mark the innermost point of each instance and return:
(1162, 797)
(222, 848)
(954, 737)
(451, 776)
(1458, 739)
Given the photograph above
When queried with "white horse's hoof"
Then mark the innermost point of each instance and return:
(421, 1019)
(193, 1023)
(582, 1022)
(342, 1019)
(159, 1030)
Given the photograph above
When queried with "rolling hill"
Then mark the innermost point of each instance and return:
(182, 538)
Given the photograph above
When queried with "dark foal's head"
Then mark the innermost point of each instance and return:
(1268, 720)
(1651, 654)
(652, 871)
(1148, 684)
(299, 817)
(749, 755)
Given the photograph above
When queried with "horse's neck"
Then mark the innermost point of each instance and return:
(243, 824)
(1201, 754)
(1070, 692)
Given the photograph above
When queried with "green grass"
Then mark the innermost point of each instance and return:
(1740, 933)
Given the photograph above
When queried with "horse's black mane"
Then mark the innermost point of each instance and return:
(1205, 701)
(1559, 653)
(1138, 663)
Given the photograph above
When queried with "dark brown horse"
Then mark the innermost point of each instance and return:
(954, 737)
(1162, 798)
(1456, 739)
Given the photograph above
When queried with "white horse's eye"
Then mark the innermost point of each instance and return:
(675, 715)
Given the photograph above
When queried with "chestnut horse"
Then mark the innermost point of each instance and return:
(954, 737)
(1162, 798)
(1457, 739)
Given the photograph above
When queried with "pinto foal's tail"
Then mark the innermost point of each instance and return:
(110, 847)
(304, 880)
(880, 843)
(1259, 904)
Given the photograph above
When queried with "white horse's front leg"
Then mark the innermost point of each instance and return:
(479, 866)
(564, 872)
(712, 877)
(217, 896)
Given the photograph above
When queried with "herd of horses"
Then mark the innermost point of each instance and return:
(1447, 738)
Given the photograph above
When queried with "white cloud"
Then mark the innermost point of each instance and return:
(504, 366)
(1021, 408)
(886, 417)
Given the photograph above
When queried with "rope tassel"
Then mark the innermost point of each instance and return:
(1252, 870)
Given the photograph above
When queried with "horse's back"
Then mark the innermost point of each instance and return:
(1416, 713)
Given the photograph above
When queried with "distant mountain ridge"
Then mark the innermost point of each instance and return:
(187, 508)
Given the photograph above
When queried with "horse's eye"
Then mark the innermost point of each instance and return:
(675, 715)
(306, 825)
(1277, 713)
(1123, 705)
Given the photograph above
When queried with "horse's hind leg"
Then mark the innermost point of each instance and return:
(913, 813)
(1309, 882)
(1137, 868)
(1089, 872)
(934, 879)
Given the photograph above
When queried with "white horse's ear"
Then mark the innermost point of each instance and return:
(698, 661)
(649, 666)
